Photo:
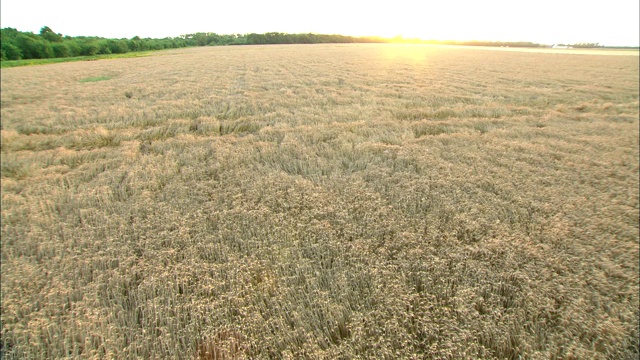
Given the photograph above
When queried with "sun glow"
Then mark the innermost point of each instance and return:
(545, 22)
(413, 53)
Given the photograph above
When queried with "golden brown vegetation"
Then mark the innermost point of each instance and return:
(328, 201)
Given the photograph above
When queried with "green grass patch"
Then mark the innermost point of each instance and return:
(28, 62)
(95, 79)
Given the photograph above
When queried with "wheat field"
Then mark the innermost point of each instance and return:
(370, 201)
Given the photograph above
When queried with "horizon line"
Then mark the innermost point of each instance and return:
(394, 39)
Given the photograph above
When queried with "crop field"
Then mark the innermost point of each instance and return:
(371, 201)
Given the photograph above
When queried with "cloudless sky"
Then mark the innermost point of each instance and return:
(610, 22)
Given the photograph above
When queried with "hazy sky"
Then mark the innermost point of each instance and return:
(610, 22)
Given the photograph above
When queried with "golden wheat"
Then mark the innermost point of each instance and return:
(326, 201)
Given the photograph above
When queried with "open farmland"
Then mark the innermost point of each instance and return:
(324, 201)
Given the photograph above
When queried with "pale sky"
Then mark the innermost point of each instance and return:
(610, 22)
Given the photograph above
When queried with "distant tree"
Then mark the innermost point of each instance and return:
(89, 48)
(104, 48)
(201, 39)
(178, 42)
(213, 39)
(60, 50)
(48, 34)
(29, 45)
(73, 47)
(254, 38)
(135, 44)
(154, 44)
(586, 45)
(44, 50)
(10, 51)
(8, 35)
(118, 46)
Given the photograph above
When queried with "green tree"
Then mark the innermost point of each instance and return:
(26, 44)
(135, 44)
(201, 39)
(48, 34)
(10, 51)
(60, 50)
(118, 46)
(33, 47)
(89, 48)
(44, 50)
(73, 47)
(104, 47)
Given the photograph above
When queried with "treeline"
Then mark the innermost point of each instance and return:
(493, 43)
(203, 39)
(17, 45)
(583, 45)
(402, 40)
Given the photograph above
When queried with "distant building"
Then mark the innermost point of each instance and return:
(559, 46)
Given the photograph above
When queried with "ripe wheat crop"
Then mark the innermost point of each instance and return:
(326, 201)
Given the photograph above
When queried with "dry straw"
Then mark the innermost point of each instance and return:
(329, 201)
